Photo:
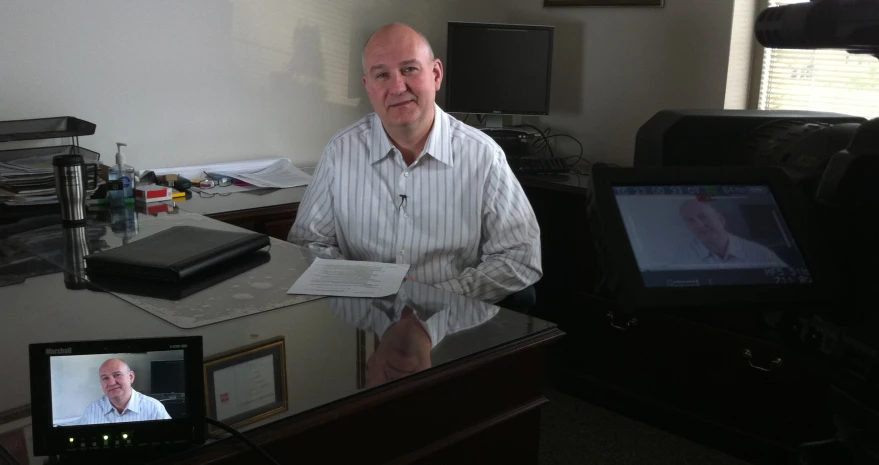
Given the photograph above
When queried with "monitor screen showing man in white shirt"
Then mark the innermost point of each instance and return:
(709, 235)
(77, 387)
(712, 244)
(121, 403)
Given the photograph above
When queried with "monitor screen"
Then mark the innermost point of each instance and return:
(709, 235)
(167, 376)
(498, 68)
(96, 389)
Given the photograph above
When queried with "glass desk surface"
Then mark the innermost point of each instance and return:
(335, 347)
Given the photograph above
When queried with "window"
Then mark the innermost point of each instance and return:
(820, 80)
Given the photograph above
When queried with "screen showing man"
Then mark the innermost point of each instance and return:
(709, 236)
(101, 388)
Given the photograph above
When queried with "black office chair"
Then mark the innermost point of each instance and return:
(521, 301)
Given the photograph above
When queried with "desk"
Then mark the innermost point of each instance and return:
(478, 403)
(268, 211)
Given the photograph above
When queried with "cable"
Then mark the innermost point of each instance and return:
(544, 136)
(580, 156)
(245, 439)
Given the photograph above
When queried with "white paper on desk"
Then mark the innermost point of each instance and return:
(230, 189)
(198, 171)
(344, 278)
(279, 174)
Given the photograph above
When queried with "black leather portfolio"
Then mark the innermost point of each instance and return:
(183, 289)
(175, 254)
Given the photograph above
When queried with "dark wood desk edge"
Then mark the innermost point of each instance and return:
(309, 419)
(13, 414)
(236, 215)
(525, 181)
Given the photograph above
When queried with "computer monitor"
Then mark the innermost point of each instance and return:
(498, 69)
(167, 377)
(706, 236)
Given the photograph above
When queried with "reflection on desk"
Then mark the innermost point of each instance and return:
(324, 353)
(408, 326)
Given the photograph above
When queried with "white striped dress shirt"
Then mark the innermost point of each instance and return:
(457, 215)
(139, 408)
(741, 253)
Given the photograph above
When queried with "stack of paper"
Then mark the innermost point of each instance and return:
(271, 172)
(279, 174)
(23, 184)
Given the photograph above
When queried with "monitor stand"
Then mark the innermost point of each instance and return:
(495, 124)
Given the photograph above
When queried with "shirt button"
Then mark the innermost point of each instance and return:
(403, 252)
(406, 174)
(405, 215)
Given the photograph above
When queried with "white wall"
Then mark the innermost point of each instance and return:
(213, 80)
(614, 68)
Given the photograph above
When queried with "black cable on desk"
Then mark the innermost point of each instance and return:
(580, 156)
(544, 139)
(245, 439)
(544, 136)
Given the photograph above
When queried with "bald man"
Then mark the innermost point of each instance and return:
(121, 403)
(714, 245)
(410, 184)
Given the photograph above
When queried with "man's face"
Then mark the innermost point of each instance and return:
(116, 379)
(401, 78)
(704, 222)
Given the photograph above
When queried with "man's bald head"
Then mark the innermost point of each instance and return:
(394, 28)
(116, 363)
(402, 77)
(690, 207)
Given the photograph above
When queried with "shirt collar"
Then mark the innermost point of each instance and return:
(438, 145)
(735, 249)
(133, 404)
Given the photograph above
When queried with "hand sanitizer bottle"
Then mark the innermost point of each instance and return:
(123, 172)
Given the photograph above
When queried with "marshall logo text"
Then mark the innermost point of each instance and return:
(65, 351)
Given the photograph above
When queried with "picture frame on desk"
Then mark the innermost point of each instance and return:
(261, 368)
(16, 434)
(605, 3)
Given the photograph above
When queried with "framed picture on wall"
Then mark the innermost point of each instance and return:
(246, 384)
(655, 3)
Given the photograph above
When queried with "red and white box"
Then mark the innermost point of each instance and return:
(152, 193)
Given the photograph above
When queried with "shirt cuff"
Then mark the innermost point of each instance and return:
(451, 285)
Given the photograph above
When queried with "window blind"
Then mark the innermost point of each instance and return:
(820, 80)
